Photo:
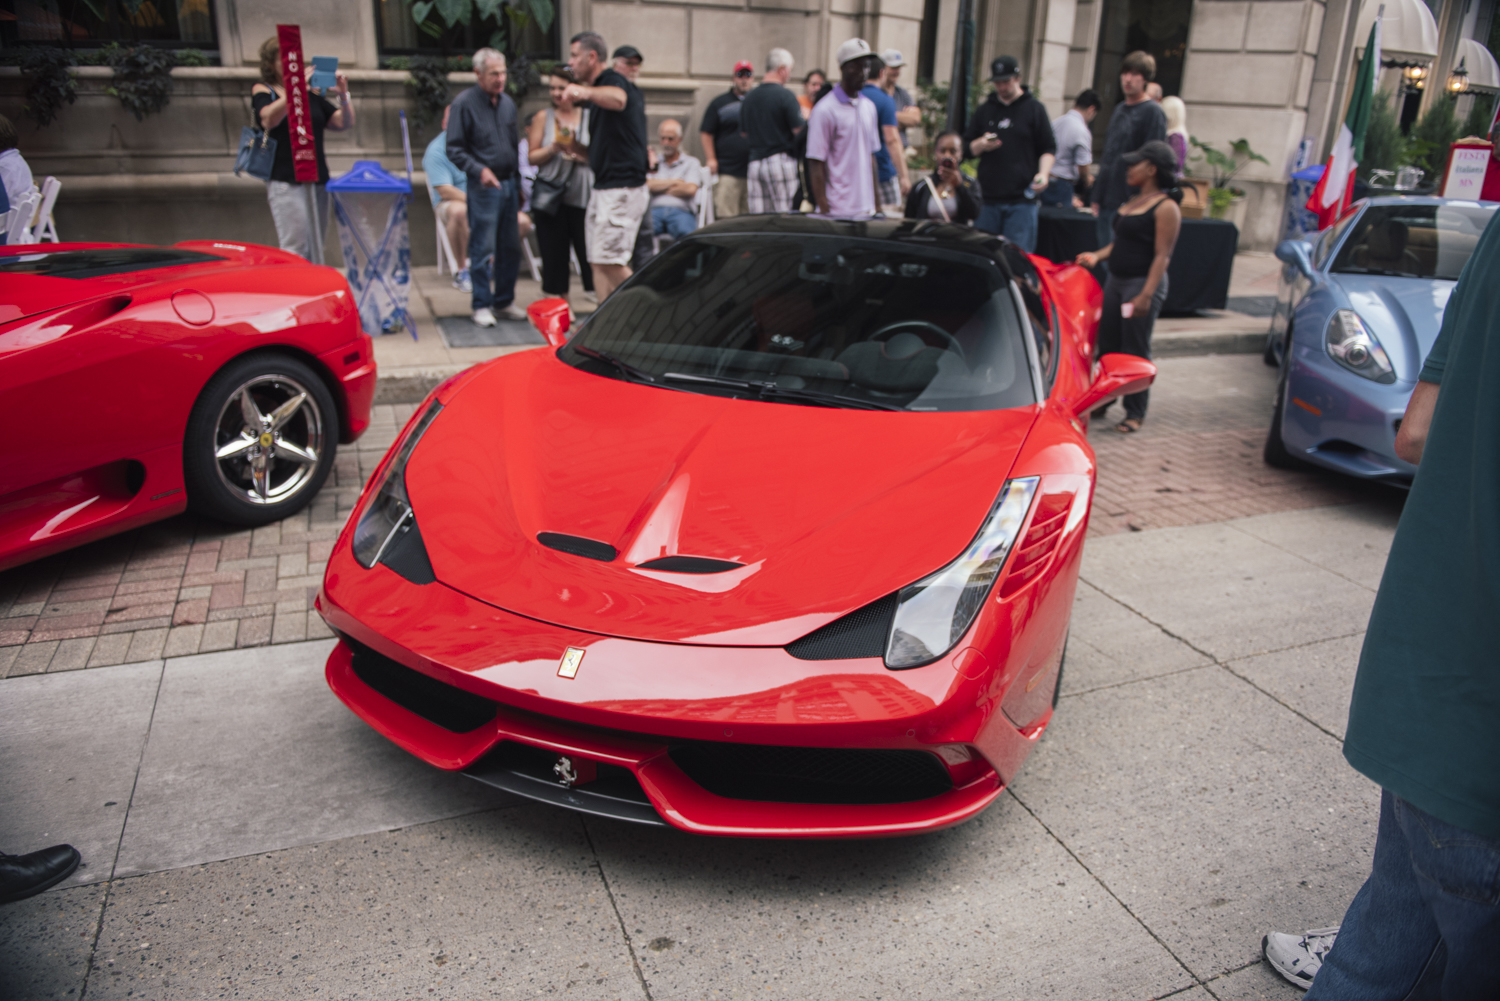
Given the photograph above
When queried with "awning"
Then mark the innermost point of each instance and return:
(1484, 75)
(1408, 34)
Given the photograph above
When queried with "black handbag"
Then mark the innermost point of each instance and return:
(257, 153)
(546, 194)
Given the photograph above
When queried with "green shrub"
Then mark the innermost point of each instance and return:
(51, 85)
(1478, 122)
(1431, 136)
(1384, 142)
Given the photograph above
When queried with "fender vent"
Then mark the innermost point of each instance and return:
(577, 546)
(689, 564)
(861, 633)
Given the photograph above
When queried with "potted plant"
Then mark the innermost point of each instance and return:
(1225, 201)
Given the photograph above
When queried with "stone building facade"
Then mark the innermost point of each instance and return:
(1271, 71)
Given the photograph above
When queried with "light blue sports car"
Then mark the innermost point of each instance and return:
(1356, 313)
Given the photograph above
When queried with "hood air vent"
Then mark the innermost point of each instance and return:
(577, 546)
(689, 564)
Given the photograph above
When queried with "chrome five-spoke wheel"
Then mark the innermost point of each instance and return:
(270, 437)
(261, 440)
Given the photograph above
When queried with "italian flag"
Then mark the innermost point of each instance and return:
(1332, 195)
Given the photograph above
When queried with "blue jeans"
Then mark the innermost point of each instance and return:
(1016, 221)
(673, 221)
(494, 244)
(1426, 924)
(1059, 191)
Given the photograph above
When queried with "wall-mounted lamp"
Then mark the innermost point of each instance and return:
(1459, 81)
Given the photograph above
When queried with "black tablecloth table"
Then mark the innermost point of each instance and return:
(1198, 277)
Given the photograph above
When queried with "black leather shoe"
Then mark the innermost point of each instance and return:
(23, 876)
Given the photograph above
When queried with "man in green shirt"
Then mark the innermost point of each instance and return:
(1424, 721)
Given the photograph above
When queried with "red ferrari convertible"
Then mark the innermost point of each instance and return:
(136, 382)
(781, 542)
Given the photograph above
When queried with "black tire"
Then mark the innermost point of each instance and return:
(231, 474)
(1276, 453)
(1269, 355)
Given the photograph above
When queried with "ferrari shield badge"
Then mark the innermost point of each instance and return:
(568, 666)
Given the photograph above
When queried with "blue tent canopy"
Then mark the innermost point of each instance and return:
(1312, 173)
(369, 176)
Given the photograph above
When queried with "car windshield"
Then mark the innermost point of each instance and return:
(1413, 241)
(823, 321)
(99, 262)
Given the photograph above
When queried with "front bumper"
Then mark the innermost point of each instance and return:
(698, 696)
(1341, 421)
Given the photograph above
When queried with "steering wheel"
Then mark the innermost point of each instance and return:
(921, 327)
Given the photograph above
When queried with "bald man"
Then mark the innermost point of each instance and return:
(674, 185)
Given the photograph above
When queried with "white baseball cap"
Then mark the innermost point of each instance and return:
(892, 58)
(854, 48)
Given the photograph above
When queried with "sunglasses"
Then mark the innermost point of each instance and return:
(745, 73)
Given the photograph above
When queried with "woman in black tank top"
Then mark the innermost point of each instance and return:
(1145, 233)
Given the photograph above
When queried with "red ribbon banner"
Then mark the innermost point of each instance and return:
(298, 113)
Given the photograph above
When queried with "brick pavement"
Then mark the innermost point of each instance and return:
(186, 586)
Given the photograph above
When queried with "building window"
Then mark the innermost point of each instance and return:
(90, 23)
(927, 53)
(400, 35)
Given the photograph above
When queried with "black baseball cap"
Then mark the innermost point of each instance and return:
(1004, 67)
(628, 52)
(1161, 156)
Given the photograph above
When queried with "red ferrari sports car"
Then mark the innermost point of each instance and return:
(782, 541)
(139, 381)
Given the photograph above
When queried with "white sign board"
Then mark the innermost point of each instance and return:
(1466, 172)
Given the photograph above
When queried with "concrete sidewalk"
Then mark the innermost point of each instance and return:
(244, 835)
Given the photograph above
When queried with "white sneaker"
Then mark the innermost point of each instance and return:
(1298, 958)
(512, 312)
(484, 318)
(462, 282)
(592, 297)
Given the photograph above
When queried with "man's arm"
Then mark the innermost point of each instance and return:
(710, 156)
(608, 98)
(817, 176)
(898, 160)
(1411, 439)
(458, 143)
(1043, 171)
(909, 116)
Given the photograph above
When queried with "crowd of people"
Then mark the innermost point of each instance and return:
(600, 198)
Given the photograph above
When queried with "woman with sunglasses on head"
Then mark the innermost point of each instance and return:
(557, 141)
(1145, 232)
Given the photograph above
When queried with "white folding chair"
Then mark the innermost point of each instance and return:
(18, 219)
(445, 246)
(531, 258)
(44, 229)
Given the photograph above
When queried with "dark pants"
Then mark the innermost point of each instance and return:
(1117, 335)
(555, 234)
(494, 244)
(1426, 924)
(1059, 191)
(1016, 221)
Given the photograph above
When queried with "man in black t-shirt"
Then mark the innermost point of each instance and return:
(726, 152)
(1134, 122)
(771, 119)
(617, 156)
(1011, 134)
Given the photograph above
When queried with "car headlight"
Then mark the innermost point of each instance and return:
(388, 515)
(1352, 345)
(934, 613)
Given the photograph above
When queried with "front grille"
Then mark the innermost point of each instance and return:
(614, 781)
(861, 633)
(450, 708)
(812, 774)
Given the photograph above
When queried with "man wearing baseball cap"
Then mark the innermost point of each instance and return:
(1012, 136)
(726, 151)
(628, 62)
(907, 112)
(842, 140)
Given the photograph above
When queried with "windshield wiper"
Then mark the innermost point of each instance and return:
(770, 389)
(624, 367)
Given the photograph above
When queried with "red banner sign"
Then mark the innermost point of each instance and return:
(298, 113)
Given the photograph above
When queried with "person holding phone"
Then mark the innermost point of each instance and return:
(1012, 136)
(299, 209)
(946, 194)
(1145, 231)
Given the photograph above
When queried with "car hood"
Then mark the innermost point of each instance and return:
(1404, 313)
(825, 509)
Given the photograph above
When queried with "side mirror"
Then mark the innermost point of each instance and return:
(552, 318)
(1297, 253)
(1119, 375)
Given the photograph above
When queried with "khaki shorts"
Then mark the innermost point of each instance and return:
(731, 197)
(614, 218)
